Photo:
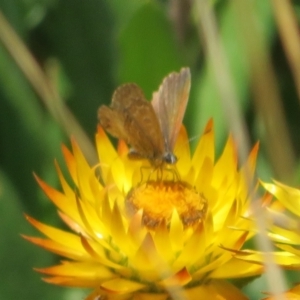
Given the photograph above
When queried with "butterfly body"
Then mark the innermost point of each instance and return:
(144, 125)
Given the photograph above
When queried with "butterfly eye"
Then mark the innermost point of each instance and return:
(169, 158)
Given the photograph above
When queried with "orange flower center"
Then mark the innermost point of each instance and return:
(158, 199)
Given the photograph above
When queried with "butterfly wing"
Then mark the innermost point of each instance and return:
(170, 102)
(113, 122)
(136, 121)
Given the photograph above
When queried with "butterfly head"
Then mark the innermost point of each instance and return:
(170, 158)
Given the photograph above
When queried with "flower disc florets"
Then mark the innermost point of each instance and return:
(158, 200)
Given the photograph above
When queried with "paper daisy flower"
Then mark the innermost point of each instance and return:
(137, 233)
(282, 214)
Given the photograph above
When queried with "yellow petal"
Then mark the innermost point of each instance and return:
(236, 268)
(63, 238)
(150, 296)
(118, 233)
(83, 172)
(182, 151)
(57, 248)
(281, 258)
(106, 151)
(289, 197)
(181, 278)
(163, 243)
(121, 286)
(205, 148)
(228, 162)
(193, 249)
(147, 257)
(87, 271)
(66, 188)
(65, 204)
(176, 232)
(71, 163)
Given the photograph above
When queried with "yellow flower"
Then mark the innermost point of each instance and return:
(283, 214)
(140, 233)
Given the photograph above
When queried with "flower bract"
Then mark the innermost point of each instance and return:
(142, 233)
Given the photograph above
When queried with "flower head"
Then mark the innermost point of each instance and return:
(145, 233)
(282, 213)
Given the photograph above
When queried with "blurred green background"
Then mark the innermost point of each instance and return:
(85, 49)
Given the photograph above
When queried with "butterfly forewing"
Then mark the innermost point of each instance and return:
(113, 122)
(170, 102)
(140, 127)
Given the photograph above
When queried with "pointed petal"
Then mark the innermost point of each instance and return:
(86, 270)
(182, 151)
(122, 148)
(228, 162)
(65, 239)
(106, 151)
(121, 286)
(193, 249)
(118, 233)
(236, 268)
(57, 248)
(288, 196)
(65, 204)
(84, 172)
(163, 243)
(66, 188)
(176, 232)
(71, 163)
(205, 148)
(181, 278)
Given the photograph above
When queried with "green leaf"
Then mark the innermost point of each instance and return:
(17, 256)
(80, 33)
(30, 137)
(148, 49)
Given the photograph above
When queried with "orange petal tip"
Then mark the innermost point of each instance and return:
(181, 278)
(209, 126)
(100, 131)
(122, 147)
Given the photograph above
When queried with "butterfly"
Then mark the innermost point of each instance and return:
(150, 128)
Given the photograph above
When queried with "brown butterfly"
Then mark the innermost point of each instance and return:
(151, 128)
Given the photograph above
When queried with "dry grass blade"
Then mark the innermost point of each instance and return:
(214, 50)
(265, 89)
(289, 33)
(216, 57)
(43, 88)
